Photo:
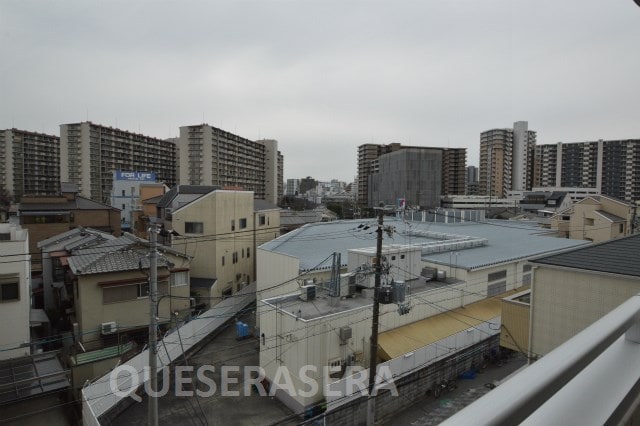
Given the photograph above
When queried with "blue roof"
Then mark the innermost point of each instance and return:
(507, 241)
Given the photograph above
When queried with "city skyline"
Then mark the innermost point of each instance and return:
(426, 74)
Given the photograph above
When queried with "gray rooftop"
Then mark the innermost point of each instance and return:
(79, 203)
(192, 192)
(611, 217)
(259, 205)
(620, 256)
(507, 241)
(74, 238)
(125, 253)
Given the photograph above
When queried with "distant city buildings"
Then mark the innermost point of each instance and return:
(30, 163)
(611, 167)
(293, 185)
(211, 156)
(90, 153)
(471, 180)
(420, 175)
(506, 160)
(128, 192)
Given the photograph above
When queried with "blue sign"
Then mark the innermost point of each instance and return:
(137, 176)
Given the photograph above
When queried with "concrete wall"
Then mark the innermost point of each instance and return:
(565, 302)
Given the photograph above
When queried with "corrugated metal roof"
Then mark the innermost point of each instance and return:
(508, 241)
(408, 338)
(620, 256)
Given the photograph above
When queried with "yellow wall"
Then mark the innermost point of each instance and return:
(91, 312)
(515, 320)
(564, 302)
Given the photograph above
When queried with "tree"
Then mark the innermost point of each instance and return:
(307, 184)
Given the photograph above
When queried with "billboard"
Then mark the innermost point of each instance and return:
(135, 176)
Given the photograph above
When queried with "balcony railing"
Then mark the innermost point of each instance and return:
(593, 378)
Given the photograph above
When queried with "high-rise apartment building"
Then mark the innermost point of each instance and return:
(293, 185)
(418, 174)
(471, 180)
(368, 164)
(211, 156)
(90, 153)
(611, 167)
(507, 160)
(451, 165)
(31, 163)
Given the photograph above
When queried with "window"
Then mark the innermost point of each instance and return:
(262, 220)
(193, 228)
(526, 268)
(143, 289)
(248, 253)
(5, 236)
(402, 256)
(123, 193)
(243, 253)
(123, 207)
(179, 279)
(243, 223)
(222, 260)
(496, 288)
(393, 258)
(9, 290)
(235, 257)
(621, 228)
(497, 275)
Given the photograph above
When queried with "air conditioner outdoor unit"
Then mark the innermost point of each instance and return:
(308, 292)
(109, 327)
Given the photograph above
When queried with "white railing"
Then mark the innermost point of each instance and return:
(592, 378)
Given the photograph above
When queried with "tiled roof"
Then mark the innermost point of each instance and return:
(168, 198)
(80, 203)
(125, 253)
(619, 256)
(75, 238)
(611, 217)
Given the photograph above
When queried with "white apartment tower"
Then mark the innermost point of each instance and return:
(90, 153)
(507, 160)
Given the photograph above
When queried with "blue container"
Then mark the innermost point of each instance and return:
(245, 330)
(239, 330)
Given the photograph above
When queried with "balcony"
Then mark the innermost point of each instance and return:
(593, 378)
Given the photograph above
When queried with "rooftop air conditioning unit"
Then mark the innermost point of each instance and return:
(308, 292)
(109, 327)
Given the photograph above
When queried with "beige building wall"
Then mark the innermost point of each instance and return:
(565, 302)
(583, 222)
(515, 322)
(92, 311)
(225, 237)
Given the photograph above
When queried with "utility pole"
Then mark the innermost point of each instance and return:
(153, 324)
(371, 403)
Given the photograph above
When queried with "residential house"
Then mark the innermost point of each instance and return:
(15, 291)
(47, 216)
(110, 287)
(596, 218)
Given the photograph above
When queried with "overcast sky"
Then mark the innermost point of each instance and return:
(323, 77)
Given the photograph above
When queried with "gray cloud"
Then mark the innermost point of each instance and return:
(323, 77)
